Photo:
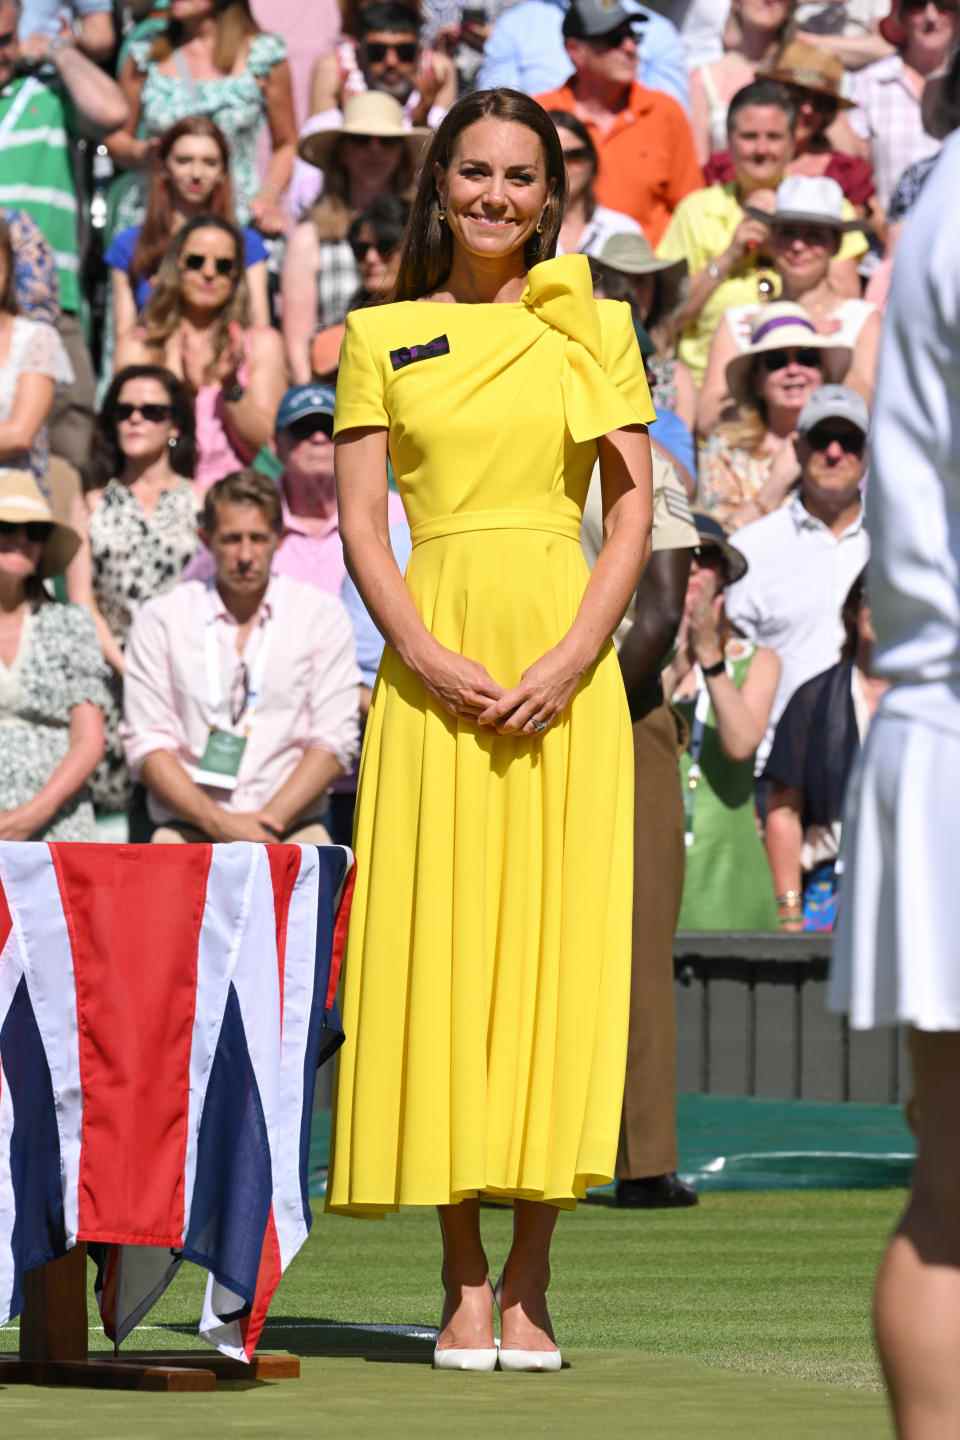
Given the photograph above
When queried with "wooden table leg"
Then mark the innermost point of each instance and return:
(53, 1325)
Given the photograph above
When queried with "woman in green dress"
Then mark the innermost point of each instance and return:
(723, 688)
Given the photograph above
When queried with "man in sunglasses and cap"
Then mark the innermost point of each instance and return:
(804, 556)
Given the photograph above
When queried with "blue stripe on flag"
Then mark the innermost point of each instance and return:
(39, 1232)
(234, 1180)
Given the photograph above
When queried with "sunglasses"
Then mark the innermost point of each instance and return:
(814, 237)
(361, 248)
(153, 414)
(308, 425)
(571, 157)
(378, 50)
(195, 261)
(7, 39)
(363, 142)
(821, 437)
(945, 7)
(36, 531)
(614, 40)
(708, 556)
(773, 360)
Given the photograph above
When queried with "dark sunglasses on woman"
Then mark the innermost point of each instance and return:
(377, 51)
(37, 531)
(361, 247)
(195, 261)
(821, 437)
(574, 156)
(153, 414)
(779, 359)
(363, 142)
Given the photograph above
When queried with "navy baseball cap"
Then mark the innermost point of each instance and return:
(301, 400)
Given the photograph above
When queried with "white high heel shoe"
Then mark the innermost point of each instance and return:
(453, 1358)
(533, 1360)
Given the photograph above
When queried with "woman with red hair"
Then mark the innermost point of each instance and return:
(191, 177)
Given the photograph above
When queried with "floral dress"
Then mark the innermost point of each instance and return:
(35, 349)
(57, 667)
(235, 102)
(136, 556)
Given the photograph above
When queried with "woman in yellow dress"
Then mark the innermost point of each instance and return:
(488, 957)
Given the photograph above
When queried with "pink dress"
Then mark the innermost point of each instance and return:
(216, 454)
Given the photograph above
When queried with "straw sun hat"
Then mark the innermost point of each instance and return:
(21, 503)
(371, 113)
(785, 326)
(630, 254)
(806, 67)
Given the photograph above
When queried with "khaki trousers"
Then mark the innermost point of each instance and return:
(178, 833)
(648, 1129)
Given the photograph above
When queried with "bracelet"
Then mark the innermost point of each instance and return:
(791, 917)
(790, 900)
(714, 270)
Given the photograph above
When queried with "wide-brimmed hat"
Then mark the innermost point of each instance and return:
(711, 532)
(21, 503)
(808, 199)
(806, 67)
(785, 326)
(630, 254)
(371, 113)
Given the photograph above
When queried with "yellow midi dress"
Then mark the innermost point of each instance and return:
(488, 958)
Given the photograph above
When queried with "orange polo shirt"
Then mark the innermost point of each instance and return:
(647, 158)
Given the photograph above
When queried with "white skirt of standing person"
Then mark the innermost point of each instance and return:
(896, 949)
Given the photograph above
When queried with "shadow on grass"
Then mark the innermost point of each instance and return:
(391, 1344)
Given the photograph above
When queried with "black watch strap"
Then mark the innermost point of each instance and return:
(712, 671)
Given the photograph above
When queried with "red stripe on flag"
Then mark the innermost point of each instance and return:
(6, 921)
(133, 913)
(340, 934)
(268, 1278)
(284, 863)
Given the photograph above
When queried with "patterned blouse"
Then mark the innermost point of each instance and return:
(58, 666)
(35, 349)
(34, 269)
(728, 476)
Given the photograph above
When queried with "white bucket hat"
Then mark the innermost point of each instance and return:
(786, 326)
(21, 503)
(370, 113)
(809, 199)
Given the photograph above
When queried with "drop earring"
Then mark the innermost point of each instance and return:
(172, 441)
(441, 212)
(540, 226)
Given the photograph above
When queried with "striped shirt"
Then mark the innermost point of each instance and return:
(36, 174)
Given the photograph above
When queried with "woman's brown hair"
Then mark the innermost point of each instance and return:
(235, 26)
(428, 245)
(575, 126)
(332, 214)
(154, 237)
(163, 314)
(8, 295)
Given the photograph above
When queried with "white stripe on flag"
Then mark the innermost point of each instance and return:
(298, 975)
(226, 904)
(29, 878)
(8, 1212)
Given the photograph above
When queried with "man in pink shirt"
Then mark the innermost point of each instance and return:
(240, 692)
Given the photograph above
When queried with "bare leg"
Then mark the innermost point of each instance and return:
(522, 1291)
(467, 1319)
(917, 1302)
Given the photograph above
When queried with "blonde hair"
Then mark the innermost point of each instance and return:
(163, 314)
(235, 26)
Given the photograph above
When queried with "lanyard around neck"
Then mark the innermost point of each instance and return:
(215, 694)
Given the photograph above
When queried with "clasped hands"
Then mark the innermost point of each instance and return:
(467, 690)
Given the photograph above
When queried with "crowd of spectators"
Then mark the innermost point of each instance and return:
(193, 196)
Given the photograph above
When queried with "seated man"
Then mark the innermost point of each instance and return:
(805, 556)
(643, 138)
(387, 56)
(721, 235)
(240, 693)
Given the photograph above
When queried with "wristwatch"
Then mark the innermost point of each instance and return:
(714, 270)
(717, 668)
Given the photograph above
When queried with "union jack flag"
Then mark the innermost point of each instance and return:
(163, 1013)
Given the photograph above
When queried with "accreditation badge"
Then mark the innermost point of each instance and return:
(220, 762)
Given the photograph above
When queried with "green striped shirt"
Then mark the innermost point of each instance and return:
(36, 175)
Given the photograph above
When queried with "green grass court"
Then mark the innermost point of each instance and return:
(747, 1316)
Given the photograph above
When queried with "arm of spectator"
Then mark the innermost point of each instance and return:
(80, 588)
(32, 403)
(743, 715)
(252, 418)
(124, 307)
(783, 836)
(315, 772)
(436, 86)
(122, 144)
(685, 404)
(259, 293)
(700, 115)
(76, 767)
(79, 573)
(749, 235)
(863, 368)
(714, 395)
(165, 777)
(98, 101)
(853, 51)
(325, 83)
(265, 210)
(298, 288)
(97, 36)
(657, 614)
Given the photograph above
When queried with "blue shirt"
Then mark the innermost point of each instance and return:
(526, 51)
(368, 639)
(120, 252)
(673, 434)
(43, 16)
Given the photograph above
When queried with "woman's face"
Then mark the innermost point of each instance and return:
(19, 556)
(371, 159)
(143, 420)
(208, 268)
(931, 28)
(191, 9)
(706, 577)
(765, 14)
(378, 267)
(495, 187)
(196, 169)
(802, 253)
(787, 378)
(814, 113)
(579, 164)
(644, 289)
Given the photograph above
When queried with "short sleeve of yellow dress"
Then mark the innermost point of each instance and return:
(488, 957)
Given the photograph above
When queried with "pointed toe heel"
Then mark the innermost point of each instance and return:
(457, 1359)
(531, 1360)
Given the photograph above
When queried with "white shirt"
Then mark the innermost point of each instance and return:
(791, 597)
(602, 224)
(308, 696)
(913, 499)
